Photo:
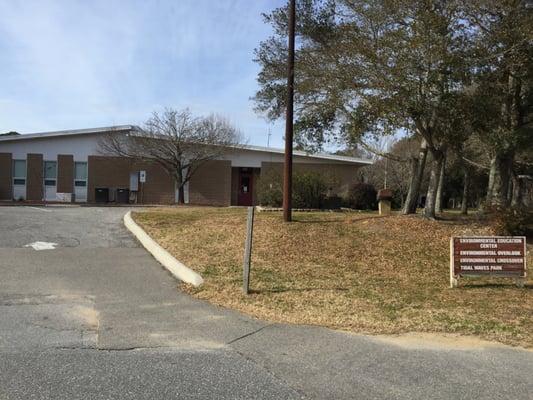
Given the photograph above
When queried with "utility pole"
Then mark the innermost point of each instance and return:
(287, 169)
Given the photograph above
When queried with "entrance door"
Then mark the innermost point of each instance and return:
(80, 181)
(50, 180)
(19, 179)
(245, 197)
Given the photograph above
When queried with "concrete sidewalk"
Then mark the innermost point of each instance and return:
(97, 317)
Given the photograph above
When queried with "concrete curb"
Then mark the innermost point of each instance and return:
(176, 268)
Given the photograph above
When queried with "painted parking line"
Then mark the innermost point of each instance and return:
(42, 245)
(39, 208)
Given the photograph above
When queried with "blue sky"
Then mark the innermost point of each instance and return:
(79, 64)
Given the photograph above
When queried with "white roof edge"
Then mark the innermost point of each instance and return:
(325, 156)
(37, 135)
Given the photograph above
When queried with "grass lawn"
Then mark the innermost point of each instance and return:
(351, 271)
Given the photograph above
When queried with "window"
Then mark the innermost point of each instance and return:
(50, 170)
(19, 172)
(245, 184)
(80, 174)
(50, 173)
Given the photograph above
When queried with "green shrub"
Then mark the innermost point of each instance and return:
(361, 196)
(270, 189)
(332, 202)
(510, 220)
(308, 189)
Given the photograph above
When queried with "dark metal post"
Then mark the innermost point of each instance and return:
(248, 251)
(287, 170)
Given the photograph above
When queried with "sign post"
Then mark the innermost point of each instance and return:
(248, 251)
(142, 180)
(502, 256)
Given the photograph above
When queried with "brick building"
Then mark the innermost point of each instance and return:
(67, 166)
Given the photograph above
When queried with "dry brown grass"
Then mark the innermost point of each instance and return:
(355, 272)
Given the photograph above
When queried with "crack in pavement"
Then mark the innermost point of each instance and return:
(170, 347)
(62, 329)
(12, 300)
(264, 366)
(133, 348)
(248, 334)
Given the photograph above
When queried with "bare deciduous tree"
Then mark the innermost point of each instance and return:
(396, 162)
(177, 141)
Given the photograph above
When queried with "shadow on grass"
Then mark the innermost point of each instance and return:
(286, 290)
(353, 220)
(458, 219)
(316, 221)
(350, 220)
(507, 285)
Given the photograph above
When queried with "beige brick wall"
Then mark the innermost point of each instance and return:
(107, 172)
(114, 172)
(6, 164)
(211, 184)
(159, 187)
(65, 173)
(340, 176)
(234, 185)
(34, 174)
(256, 177)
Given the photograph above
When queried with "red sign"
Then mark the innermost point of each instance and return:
(487, 255)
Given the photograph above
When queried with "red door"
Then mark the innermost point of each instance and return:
(244, 197)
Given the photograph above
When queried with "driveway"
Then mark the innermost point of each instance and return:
(96, 317)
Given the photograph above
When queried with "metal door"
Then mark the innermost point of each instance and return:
(245, 197)
(50, 180)
(80, 181)
(19, 179)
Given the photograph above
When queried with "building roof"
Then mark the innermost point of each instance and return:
(71, 132)
(127, 128)
(325, 156)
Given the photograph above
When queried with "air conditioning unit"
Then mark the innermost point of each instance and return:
(64, 197)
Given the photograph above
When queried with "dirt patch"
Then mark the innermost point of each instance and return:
(434, 341)
(173, 340)
(88, 315)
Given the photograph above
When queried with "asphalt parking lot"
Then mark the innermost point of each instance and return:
(97, 317)
(94, 316)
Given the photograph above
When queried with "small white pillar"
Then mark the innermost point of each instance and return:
(384, 201)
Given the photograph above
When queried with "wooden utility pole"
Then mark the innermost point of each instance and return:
(287, 170)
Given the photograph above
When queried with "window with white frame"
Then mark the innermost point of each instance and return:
(80, 174)
(50, 173)
(19, 172)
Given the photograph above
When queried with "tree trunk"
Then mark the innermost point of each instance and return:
(411, 200)
(464, 200)
(178, 176)
(431, 198)
(510, 188)
(490, 185)
(417, 173)
(519, 193)
(181, 195)
(438, 200)
(499, 179)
